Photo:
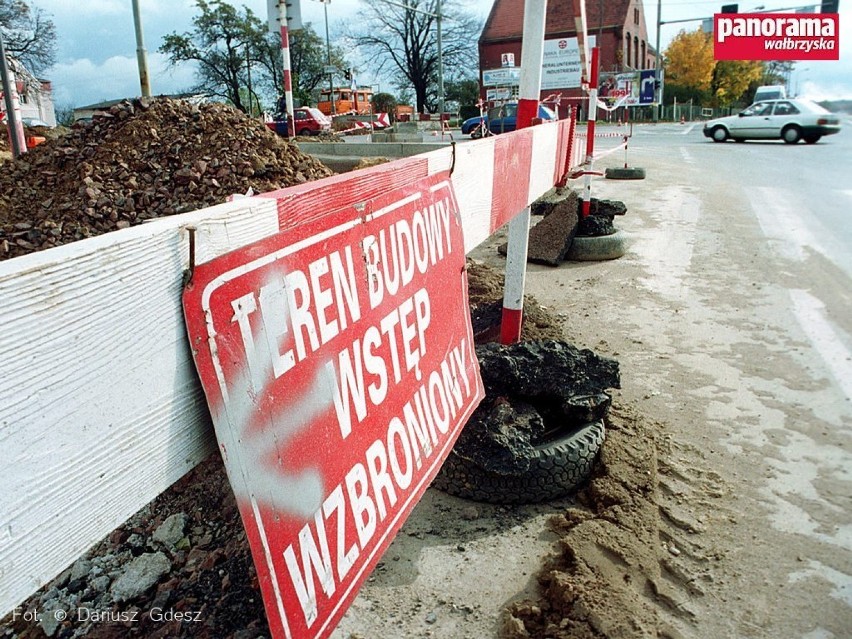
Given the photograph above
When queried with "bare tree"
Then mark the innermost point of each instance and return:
(28, 34)
(403, 41)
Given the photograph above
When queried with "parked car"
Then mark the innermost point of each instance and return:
(308, 121)
(788, 120)
(501, 119)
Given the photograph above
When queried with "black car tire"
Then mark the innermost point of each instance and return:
(476, 133)
(597, 248)
(812, 139)
(305, 132)
(719, 134)
(557, 468)
(791, 134)
(624, 173)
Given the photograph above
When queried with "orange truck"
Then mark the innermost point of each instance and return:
(358, 101)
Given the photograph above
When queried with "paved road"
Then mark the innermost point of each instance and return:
(732, 316)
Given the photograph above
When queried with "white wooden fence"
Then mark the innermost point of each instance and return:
(100, 407)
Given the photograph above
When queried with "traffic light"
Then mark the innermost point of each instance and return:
(347, 73)
(730, 8)
(829, 6)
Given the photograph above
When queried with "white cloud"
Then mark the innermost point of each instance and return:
(80, 82)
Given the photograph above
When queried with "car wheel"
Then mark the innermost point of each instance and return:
(791, 134)
(556, 468)
(476, 133)
(812, 139)
(305, 132)
(597, 248)
(720, 134)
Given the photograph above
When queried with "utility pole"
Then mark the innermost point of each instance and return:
(440, 68)
(325, 4)
(657, 83)
(141, 55)
(10, 93)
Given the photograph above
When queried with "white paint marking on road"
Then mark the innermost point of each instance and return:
(783, 225)
(827, 342)
(687, 156)
(689, 129)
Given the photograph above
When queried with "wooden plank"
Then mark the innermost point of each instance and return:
(100, 408)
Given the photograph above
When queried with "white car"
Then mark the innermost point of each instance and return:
(789, 120)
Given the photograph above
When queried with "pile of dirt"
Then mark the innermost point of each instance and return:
(142, 160)
(485, 294)
(606, 582)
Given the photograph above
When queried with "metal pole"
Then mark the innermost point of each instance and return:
(141, 55)
(529, 93)
(248, 73)
(16, 129)
(440, 69)
(285, 57)
(325, 4)
(657, 80)
(590, 133)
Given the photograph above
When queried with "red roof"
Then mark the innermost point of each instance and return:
(505, 22)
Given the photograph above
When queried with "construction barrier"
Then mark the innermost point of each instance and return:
(100, 405)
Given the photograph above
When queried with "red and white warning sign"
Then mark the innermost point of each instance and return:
(337, 358)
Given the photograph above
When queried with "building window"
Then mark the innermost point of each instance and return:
(635, 52)
(643, 61)
(627, 42)
(635, 15)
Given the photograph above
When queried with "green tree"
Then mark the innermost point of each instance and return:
(309, 56)
(384, 103)
(217, 45)
(28, 34)
(403, 41)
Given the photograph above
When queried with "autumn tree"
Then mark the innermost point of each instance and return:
(732, 78)
(403, 41)
(689, 60)
(28, 34)
(693, 72)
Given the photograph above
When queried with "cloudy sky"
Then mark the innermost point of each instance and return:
(97, 44)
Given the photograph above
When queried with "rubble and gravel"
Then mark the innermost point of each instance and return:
(142, 160)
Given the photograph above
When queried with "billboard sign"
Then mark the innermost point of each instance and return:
(508, 76)
(560, 66)
(633, 88)
(338, 363)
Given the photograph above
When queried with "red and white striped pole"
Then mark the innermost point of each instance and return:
(590, 134)
(529, 92)
(285, 57)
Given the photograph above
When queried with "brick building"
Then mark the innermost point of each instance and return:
(618, 27)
